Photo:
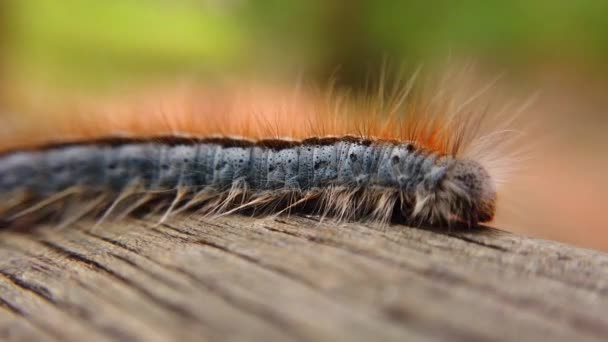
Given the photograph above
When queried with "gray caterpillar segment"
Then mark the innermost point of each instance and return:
(137, 164)
(274, 173)
(342, 148)
(368, 162)
(258, 167)
(306, 173)
(217, 166)
(116, 174)
(385, 175)
(397, 158)
(183, 157)
(159, 170)
(144, 160)
(325, 165)
(75, 165)
(20, 170)
(205, 161)
(344, 168)
(172, 169)
(414, 172)
(376, 153)
(407, 171)
(85, 164)
(231, 165)
(353, 170)
(292, 168)
(283, 169)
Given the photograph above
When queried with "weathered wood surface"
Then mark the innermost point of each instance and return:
(239, 278)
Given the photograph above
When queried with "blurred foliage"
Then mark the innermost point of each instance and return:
(95, 42)
(516, 29)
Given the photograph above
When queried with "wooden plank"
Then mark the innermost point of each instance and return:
(241, 278)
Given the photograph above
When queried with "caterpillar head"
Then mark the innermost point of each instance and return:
(456, 191)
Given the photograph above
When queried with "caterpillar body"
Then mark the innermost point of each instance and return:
(415, 169)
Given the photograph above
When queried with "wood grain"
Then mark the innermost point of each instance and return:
(241, 278)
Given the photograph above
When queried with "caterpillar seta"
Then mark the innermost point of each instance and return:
(399, 156)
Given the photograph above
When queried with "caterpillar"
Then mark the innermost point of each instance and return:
(392, 157)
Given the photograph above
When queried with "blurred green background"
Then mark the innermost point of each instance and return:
(85, 42)
(559, 48)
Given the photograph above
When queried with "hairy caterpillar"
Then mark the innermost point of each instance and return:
(394, 157)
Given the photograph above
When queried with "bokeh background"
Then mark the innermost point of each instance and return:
(555, 49)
